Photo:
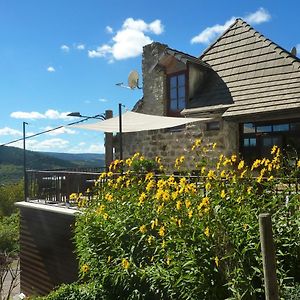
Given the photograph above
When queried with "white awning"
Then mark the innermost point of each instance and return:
(132, 122)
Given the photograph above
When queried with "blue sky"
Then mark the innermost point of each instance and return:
(59, 56)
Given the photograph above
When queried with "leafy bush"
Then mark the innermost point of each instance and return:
(75, 291)
(9, 195)
(9, 234)
(168, 237)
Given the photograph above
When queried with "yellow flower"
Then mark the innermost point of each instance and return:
(142, 198)
(245, 226)
(149, 176)
(214, 145)
(217, 261)
(233, 158)
(204, 203)
(150, 185)
(73, 196)
(157, 159)
(105, 216)
(249, 190)
(174, 195)
(100, 209)
(298, 163)
(223, 194)
(162, 231)
(143, 229)
(206, 232)
(271, 178)
(274, 148)
(154, 223)
(256, 164)
(168, 261)
(150, 239)
(188, 203)
(211, 174)
(128, 161)
(166, 195)
(109, 197)
(190, 213)
(223, 174)
(125, 263)
(241, 165)
(85, 268)
(203, 170)
(179, 222)
(207, 186)
(178, 204)
(243, 173)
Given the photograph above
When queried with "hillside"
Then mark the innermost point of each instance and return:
(11, 162)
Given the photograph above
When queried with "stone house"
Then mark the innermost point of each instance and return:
(248, 85)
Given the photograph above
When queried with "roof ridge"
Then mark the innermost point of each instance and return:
(294, 60)
(219, 38)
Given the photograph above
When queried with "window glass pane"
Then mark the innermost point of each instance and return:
(265, 128)
(281, 127)
(173, 94)
(173, 105)
(252, 142)
(181, 103)
(213, 125)
(249, 128)
(295, 126)
(173, 82)
(246, 142)
(181, 80)
(181, 92)
(270, 141)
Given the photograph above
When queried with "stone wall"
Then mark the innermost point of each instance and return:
(170, 144)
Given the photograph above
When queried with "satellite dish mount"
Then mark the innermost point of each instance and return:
(133, 81)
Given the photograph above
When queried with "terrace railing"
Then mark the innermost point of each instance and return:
(56, 186)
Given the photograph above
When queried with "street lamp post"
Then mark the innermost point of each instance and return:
(25, 162)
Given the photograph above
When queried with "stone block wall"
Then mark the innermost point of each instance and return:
(170, 144)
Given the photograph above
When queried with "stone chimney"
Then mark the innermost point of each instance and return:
(154, 83)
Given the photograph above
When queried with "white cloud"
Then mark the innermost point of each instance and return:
(109, 29)
(210, 33)
(260, 16)
(102, 100)
(27, 115)
(65, 48)
(49, 114)
(50, 69)
(84, 148)
(46, 145)
(129, 40)
(80, 47)
(62, 130)
(10, 131)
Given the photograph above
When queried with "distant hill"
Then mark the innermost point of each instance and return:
(11, 162)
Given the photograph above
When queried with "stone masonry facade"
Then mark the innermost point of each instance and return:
(172, 143)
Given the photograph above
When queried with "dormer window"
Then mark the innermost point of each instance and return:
(177, 93)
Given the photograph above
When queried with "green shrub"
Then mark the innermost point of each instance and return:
(143, 237)
(75, 291)
(9, 234)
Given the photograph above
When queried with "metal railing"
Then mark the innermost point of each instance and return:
(56, 186)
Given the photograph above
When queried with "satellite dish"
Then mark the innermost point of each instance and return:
(294, 51)
(133, 80)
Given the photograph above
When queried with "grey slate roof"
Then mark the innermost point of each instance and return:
(258, 75)
(185, 58)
